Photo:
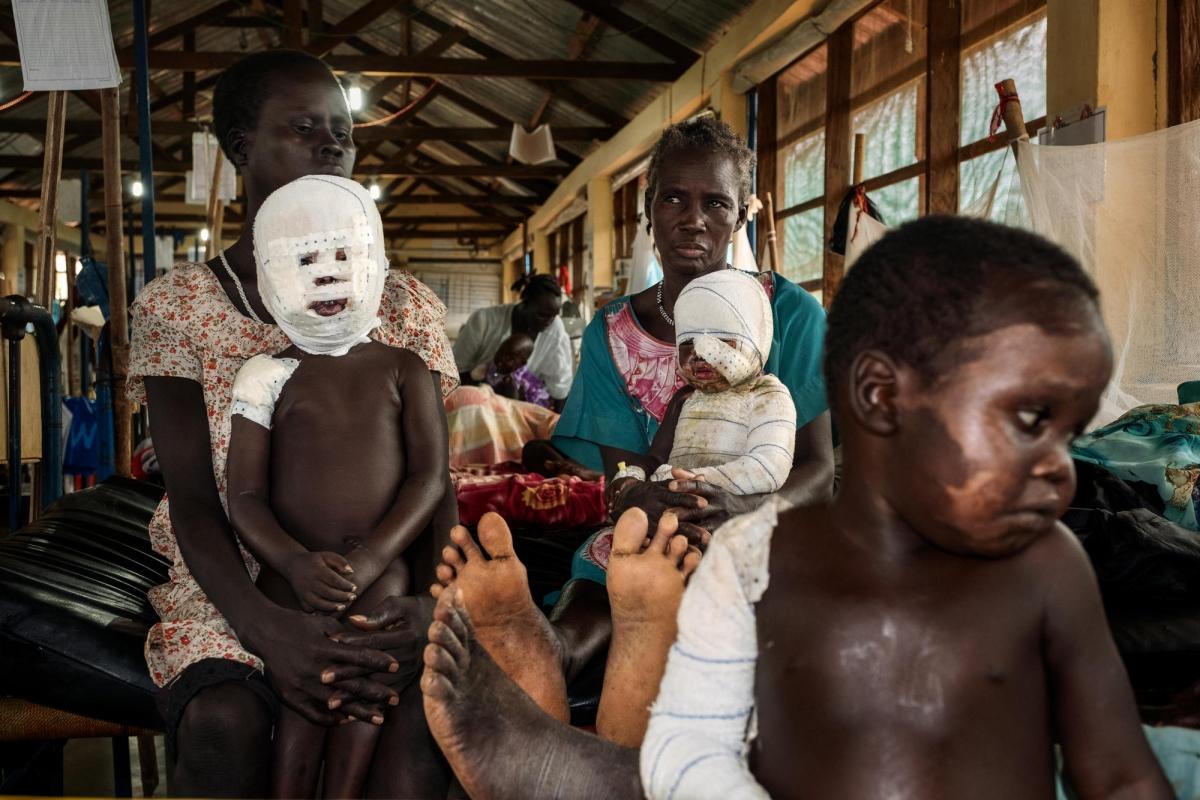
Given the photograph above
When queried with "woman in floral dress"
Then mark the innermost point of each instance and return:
(278, 116)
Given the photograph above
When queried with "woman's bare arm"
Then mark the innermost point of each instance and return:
(295, 646)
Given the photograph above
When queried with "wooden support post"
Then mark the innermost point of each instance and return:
(541, 252)
(837, 147)
(293, 24)
(14, 260)
(52, 153)
(600, 215)
(942, 107)
(768, 138)
(189, 79)
(860, 156)
(118, 321)
(216, 209)
(1183, 61)
(772, 239)
(1011, 112)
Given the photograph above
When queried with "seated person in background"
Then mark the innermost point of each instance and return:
(536, 315)
(935, 630)
(731, 425)
(337, 454)
(508, 375)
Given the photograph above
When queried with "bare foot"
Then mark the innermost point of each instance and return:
(509, 626)
(645, 585)
(498, 742)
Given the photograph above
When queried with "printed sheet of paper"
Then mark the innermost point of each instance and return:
(65, 44)
(199, 179)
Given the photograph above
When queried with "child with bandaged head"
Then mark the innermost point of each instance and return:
(338, 451)
(732, 425)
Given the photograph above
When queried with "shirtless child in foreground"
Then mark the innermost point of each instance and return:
(935, 631)
(338, 450)
(929, 635)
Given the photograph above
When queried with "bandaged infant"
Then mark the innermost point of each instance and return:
(732, 425)
(338, 453)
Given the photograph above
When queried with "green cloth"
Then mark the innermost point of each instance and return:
(599, 410)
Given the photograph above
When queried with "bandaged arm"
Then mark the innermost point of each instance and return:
(701, 725)
(770, 446)
(256, 390)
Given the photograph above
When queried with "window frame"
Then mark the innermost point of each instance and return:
(939, 100)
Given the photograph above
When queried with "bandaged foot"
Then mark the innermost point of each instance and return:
(645, 584)
(495, 589)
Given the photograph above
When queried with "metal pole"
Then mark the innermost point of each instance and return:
(142, 85)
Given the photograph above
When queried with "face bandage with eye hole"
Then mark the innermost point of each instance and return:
(318, 245)
(318, 240)
(726, 305)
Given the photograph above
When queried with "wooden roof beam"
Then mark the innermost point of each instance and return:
(567, 93)
(414, 66)
(641, 32)
(354, 22)
(167, 166)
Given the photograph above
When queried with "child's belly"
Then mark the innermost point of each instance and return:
(869, 699)
(336, 479)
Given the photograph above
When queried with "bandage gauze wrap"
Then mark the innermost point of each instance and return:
(727, 304)
(741, 439)
(320, 239)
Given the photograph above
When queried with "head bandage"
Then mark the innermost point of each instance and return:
(726, 305)
(321, 228)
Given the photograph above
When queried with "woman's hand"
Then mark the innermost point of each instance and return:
(302, 660)
(719, 505)
(657, 497)
(398, 626)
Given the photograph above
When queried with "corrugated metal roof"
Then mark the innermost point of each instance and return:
(520, 29)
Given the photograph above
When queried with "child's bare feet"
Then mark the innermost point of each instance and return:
(645, 585)
(509, 626)
(498, 742)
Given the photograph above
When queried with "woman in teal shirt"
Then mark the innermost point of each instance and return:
(698, 185)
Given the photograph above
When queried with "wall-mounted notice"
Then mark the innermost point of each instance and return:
(65, 44)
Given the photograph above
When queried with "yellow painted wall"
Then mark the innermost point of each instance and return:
(1107, 53)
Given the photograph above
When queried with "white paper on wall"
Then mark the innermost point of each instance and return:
(202, 166)
(65, 44)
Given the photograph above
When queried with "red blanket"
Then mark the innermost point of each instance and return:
(528, 499)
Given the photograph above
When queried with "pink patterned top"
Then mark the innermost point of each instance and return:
(184, 326)
(649, 366)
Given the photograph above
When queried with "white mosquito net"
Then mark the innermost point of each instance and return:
(1129, 210)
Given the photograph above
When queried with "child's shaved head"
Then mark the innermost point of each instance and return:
(929, 285)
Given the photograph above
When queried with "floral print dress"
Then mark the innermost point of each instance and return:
(184, 326)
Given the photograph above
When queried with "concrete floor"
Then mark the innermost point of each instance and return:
(88, 768)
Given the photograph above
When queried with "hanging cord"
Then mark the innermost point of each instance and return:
(16, 101)
(998, 112)
(398, 112)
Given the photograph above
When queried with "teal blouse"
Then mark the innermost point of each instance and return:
(600, 411)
